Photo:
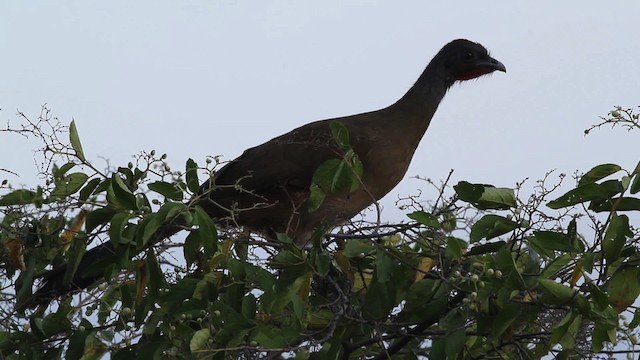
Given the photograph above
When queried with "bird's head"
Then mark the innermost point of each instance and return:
(464, 60)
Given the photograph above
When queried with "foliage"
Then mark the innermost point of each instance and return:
(481, 272)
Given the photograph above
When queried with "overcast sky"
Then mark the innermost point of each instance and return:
(198, 78)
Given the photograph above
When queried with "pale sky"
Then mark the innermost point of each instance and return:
(198, 78)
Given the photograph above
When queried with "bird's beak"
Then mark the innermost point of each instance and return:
(493, 64)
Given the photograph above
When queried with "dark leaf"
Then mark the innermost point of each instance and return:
(358, 248)
(207, 232)
(316, 197)
(615, 237)
(486, 248)
(635, 184)
(340, 134)
(555, 265)
(426, 219)
(546, 242)
(191, 176)
(555, 293)
(491, 226)
(249, 307)
(587, 192)
(18, 197)
(88, 189)
(74, 138)
(455, 248)
(456, 336)
(617, 204)
(636, 319)
(597, 173)
(58, 172)
(98, 217)
(485, 197)
(191, 248)
(505, 318)
(323, 264)
(69, 185)
(271, 336)
(624, 288)
(119, 195)
(75, 253)
(169, 190)
(55, 323)
(385, 265)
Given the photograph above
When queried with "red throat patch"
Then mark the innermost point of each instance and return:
(472, 74)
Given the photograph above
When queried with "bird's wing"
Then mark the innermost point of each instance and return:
(289, 160)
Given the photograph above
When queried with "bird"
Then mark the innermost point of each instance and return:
(267, 189)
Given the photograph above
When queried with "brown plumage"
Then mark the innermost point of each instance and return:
(268, 185)
(278, 173)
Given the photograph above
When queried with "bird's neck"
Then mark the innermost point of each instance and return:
(421, 102)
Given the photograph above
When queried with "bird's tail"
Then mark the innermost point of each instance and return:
(91, 268)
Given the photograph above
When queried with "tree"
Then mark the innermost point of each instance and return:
(479, 272)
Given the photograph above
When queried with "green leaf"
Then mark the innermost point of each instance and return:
(191, 248)
(207, 232)
(206, 289)
(88, 189)
(342, 178)
(59, 172)
(191, 176)
(617, 204)
(615, 237)
(455, 248)
(555, 293)
(635, 184)
(505, 318)
(426, 219)
(599, 172)
(199, 340)
(323, 264)
(587, 192)
(76, 251)
(156, 276)
(624, 288)
(178, 293)
(74, 138)
(69, 185)
(119, 195)
(169, 190)
(98, 217)
(118, 223)
(55, 323)
(546, 242)
(498, 198)
(601, 334)
(316, 197)
(18, 197)
(271, 336)
(491, 226)
(486, 248)
(385, 265)
(420, 296)
(555, 265)
(249, 307)
(340, 134)
(485, 197)
(565, 331)
(456, 336)
(358, 248)
(636, 319)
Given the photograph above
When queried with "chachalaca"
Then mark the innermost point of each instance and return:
(266, 189)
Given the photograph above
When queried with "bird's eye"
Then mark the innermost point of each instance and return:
(468, 55)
